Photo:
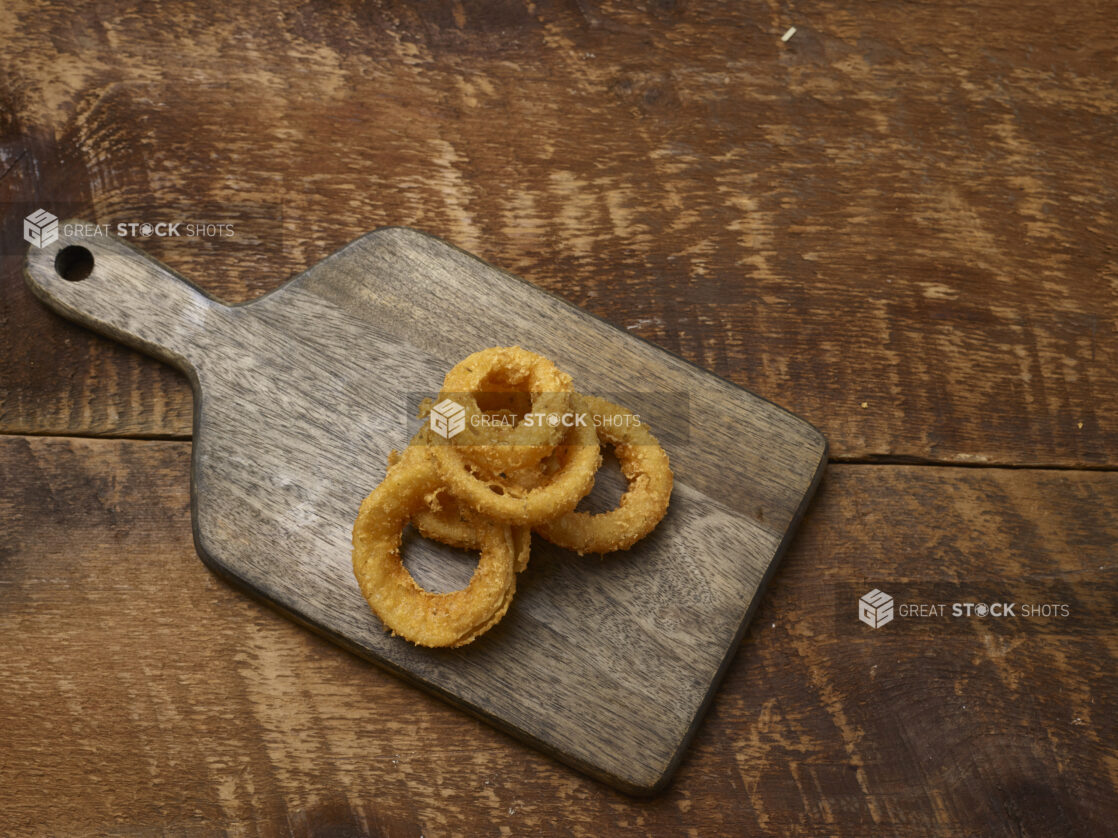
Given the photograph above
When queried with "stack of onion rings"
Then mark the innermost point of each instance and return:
(490, 485)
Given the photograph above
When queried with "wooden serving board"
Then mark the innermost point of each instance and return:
(606, 663)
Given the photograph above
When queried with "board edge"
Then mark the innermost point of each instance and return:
(735, 645)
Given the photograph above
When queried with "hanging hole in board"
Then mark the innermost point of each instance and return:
(74, 263)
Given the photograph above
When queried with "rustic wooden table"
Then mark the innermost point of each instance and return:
(899, 223)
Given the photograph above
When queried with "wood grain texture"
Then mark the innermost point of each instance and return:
(253, 726)
(908, 209)
(607, 664)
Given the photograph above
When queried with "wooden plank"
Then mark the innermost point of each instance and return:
(900, 209)
(303, 393)
(163, 700)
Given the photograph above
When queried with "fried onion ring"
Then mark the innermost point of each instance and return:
(648, 472)
(456, 525)
(444, 519)
(424, 618)
(506, 502)
(490, 382)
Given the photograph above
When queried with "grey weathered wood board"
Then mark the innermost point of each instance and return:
(606, 663)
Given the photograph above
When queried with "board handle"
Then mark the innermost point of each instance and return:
(112, 288)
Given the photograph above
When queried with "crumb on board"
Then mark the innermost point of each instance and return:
(791, 31)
